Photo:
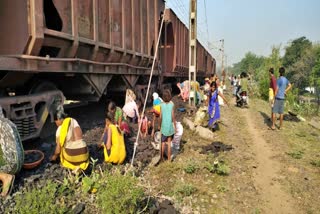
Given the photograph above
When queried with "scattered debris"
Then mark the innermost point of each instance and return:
(215, 148)
(289, 117)
(79, 208)
(164, 207)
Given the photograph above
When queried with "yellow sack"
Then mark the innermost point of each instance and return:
(271, 94)
(118, 149)
(71, 162)
(157, 109)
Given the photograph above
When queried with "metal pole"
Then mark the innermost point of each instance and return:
(223, 74)
(226, 64)
(192, 48)
(147, 94)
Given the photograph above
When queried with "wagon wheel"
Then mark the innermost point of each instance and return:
(42, 87)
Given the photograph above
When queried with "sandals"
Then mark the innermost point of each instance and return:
(7, 188)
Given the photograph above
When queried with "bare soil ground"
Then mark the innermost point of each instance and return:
(270, 171)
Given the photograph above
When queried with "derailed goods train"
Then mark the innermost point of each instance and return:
(80, 50)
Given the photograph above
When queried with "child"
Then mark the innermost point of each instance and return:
(155, 110)
(145, 126)
(167, 123)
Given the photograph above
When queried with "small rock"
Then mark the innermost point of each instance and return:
(46, 146)
(189, 123)
(205, 133)
(32, 178)
(79, 208)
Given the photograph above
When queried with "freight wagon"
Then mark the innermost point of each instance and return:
(80, 50)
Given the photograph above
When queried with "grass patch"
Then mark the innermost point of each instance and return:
(257, 211)
(44, 200)
(183, 190)
(191, 167)
(296, 154)
(315, 163)
(219, 167)
(222, 188)
(119, 194)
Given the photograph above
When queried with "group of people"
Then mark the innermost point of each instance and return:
(240, 85)
(73, 151)
(277, 94)
(200, 94)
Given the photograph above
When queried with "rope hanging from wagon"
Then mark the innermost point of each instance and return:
(146, 98)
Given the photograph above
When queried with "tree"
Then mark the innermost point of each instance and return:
(248, 64)
(302, 68)
(315, 74)
(294, 51)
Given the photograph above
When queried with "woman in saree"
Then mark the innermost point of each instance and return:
(213, 107)
(118, 118)
(70, 146)
(113, 142)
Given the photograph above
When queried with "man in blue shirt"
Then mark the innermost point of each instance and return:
(283, 86)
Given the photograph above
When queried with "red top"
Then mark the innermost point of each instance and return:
(273, 83)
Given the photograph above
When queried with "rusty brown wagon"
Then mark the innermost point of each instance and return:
(81, 50)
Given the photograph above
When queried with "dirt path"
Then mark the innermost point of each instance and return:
(267, 171)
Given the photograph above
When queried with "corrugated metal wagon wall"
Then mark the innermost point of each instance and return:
(174, 51)
(99, 30)
(92, 39)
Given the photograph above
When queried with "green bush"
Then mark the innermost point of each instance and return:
(184, 190)
(222, 169)
(315, 163)
(190, 168)
(181, 190)
(219, 167)
(119, 194)
(264, 86)
(296, 154)
(44, 200)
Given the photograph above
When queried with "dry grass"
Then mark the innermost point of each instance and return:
(187, 179)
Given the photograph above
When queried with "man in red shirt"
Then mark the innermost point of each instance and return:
(272, 88)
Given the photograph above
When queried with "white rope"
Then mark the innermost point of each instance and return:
(146, 98)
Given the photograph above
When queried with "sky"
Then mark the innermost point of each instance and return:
(252, 25)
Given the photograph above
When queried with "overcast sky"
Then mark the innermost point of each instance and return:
(253, 25)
